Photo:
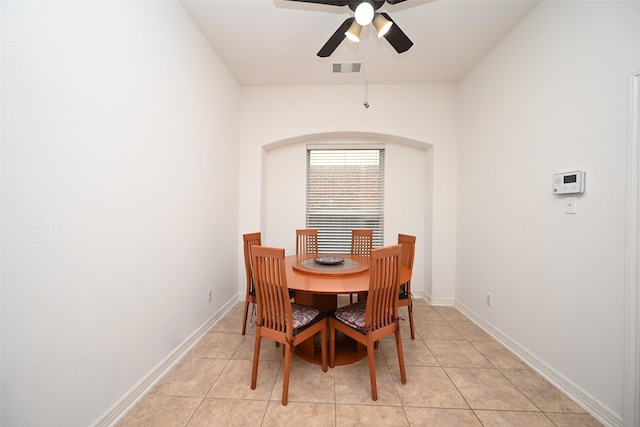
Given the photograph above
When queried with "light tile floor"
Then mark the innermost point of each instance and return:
(457, 375)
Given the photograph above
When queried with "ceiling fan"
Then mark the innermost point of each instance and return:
(365, 14)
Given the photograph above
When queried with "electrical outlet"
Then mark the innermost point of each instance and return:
(209, 295)
(489, 299)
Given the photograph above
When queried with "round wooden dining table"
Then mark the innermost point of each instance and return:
(318, 284)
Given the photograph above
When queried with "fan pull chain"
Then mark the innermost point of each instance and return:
(366, 92)
(366, 71)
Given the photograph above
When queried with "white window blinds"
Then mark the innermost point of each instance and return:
(345, 191)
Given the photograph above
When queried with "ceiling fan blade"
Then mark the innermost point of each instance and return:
(396, 37)
(395, 1)
(327, 2)
(335, 39)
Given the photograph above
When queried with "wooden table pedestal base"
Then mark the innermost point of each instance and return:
(347, 350)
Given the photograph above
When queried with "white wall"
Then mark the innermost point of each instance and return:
(406, 116)
(552, 97)
(119, 135)
(119, 150)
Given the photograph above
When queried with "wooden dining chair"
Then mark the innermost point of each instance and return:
(249, 240)
(306, 241)
(377, 317)
(405, 298)
(361, 244)
(278, 318)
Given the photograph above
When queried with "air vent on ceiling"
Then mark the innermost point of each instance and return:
(351, 67)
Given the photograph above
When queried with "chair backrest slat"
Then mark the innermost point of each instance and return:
(306, 241)
(384, 284)
(408, 254)
(361, 242)
(272, 293)
(250, 240)
(408, 249)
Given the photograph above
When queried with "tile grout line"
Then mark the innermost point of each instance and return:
(446, 316)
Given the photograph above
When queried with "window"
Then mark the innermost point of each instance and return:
(345, 191)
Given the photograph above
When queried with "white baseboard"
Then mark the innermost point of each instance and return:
(590, 404)
(133, 396)
(440, 302)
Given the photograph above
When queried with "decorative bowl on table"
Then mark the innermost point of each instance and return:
(329, 260)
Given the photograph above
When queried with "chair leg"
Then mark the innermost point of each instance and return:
(372, 368)
(332, 344)
(287, 372)
(410, 309)
(244, 318)
(323, 345)
(256, 359)
(403, 373)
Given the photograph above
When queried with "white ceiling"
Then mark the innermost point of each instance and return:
(274, 42)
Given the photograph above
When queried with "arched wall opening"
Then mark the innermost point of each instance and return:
(408, 194)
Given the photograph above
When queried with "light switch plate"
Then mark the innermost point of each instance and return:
(570, 205)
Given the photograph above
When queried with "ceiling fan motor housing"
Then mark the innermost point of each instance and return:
(377, 4)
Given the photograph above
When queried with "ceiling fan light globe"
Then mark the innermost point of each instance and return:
(364, 13)
(353, 33)
(382, 25)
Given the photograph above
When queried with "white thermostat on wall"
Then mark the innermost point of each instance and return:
(568, 182)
